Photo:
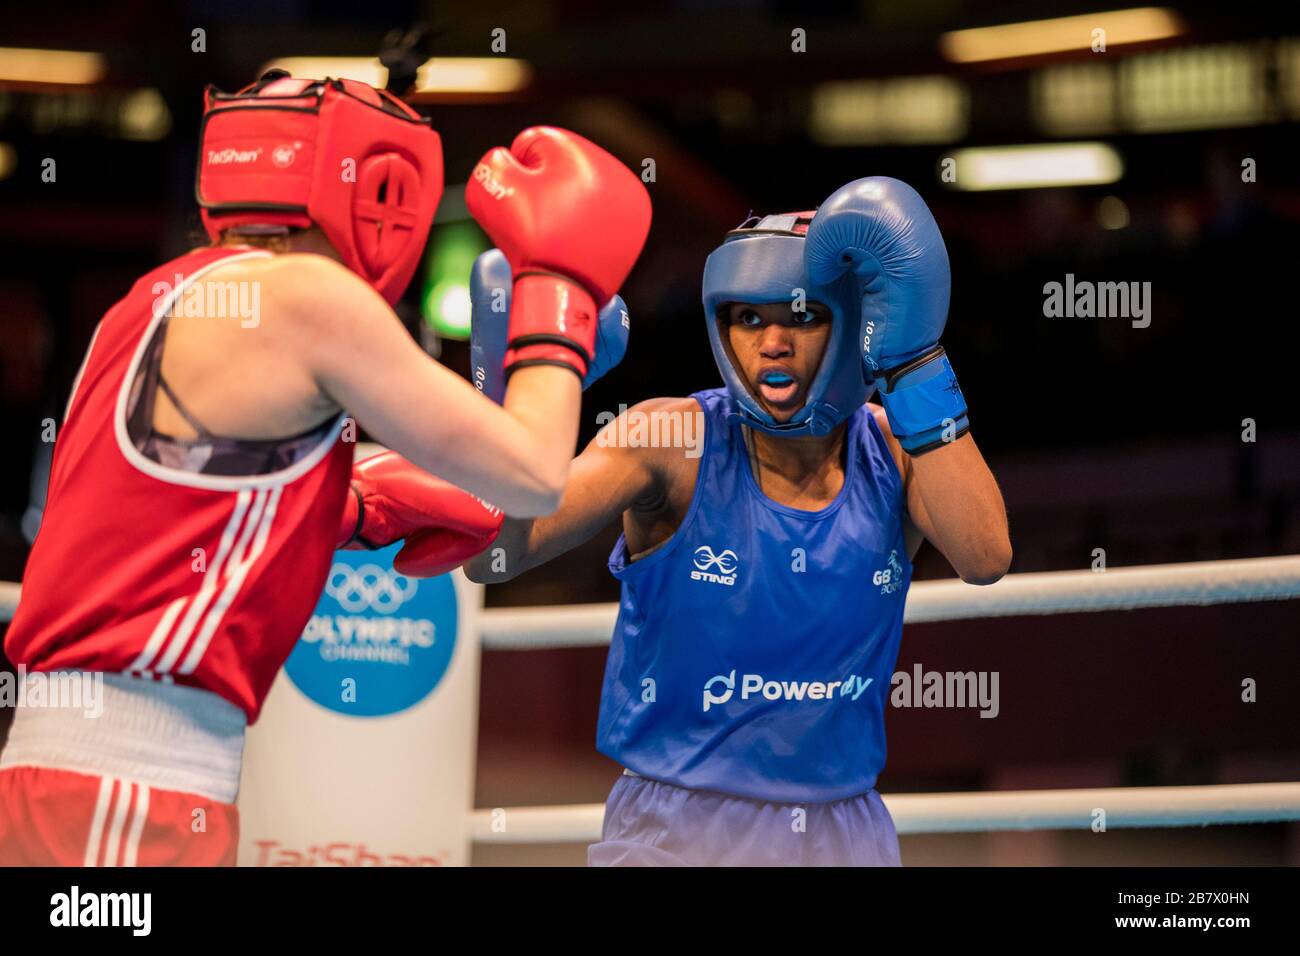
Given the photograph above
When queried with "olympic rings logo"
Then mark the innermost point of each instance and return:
(369, 587)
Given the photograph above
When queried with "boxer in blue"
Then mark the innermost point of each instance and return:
(764, 573)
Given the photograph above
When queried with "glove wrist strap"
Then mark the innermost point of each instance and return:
(552, 322)
(354, 502)
(924, 403)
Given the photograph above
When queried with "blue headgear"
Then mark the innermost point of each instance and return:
(763, 262)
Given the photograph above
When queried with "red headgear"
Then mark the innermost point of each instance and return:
(355, 161)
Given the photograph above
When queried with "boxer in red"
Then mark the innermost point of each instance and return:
(203, 474)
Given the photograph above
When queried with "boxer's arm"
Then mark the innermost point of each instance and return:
(515, 456)
(604, 481)
(954, 502)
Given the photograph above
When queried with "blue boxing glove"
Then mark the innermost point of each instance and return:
(611, 339)
(489, 330)
(490, 284)
(880, 231)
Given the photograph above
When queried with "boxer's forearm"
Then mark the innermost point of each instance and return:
(604, 481)
(526, 543)
(505, 558)
(954, 499)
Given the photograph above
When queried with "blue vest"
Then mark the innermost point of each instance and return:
(754, 649)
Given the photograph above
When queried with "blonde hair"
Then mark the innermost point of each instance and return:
(277, 240)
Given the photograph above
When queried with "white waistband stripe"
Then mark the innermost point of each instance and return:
(166, 736)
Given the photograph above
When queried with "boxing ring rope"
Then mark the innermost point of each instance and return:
(1053, 592)
(8, 600)
(1197, 583)
(1194, 583)
(1125, 807)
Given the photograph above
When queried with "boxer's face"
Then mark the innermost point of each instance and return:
(777, 351)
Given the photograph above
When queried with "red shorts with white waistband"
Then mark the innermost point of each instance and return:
(63, 818)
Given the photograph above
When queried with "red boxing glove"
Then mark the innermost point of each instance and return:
(571, 220)
(391, 499)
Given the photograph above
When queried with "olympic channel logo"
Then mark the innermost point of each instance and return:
(378, 642)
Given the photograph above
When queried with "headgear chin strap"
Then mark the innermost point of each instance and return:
(761, 263)
(355, 161)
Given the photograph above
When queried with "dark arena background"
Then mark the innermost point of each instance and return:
(1165, 161)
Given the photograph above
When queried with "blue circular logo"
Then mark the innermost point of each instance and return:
(378, 642)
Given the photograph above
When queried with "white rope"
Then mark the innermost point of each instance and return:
(1196, 583)
(577, 823)
(1054, 592)
(536, 628)
(8, 600)
(1124, 807)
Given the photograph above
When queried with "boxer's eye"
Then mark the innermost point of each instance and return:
(749, 319)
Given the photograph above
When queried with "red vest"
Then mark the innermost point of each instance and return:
(204, 580)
